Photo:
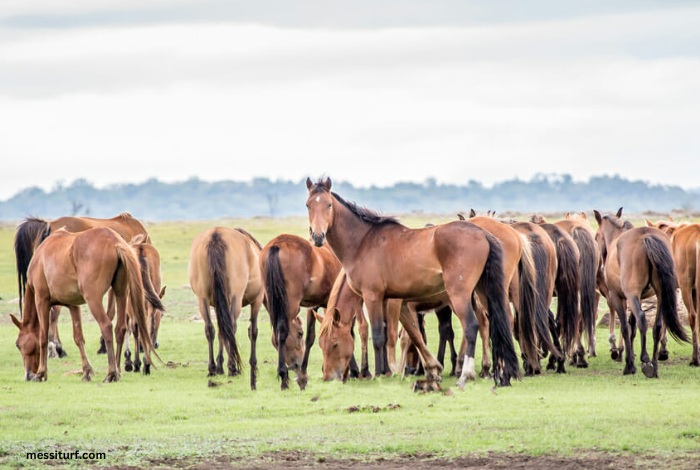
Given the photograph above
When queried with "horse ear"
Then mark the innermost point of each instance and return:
(670, 219)
(598, 218)
(336, 316)
(318, 315)
(17, 323)
(619, 213)
(567, 216)
(162, 292)
(648, 222)
(461, 217)
(583, 216)
(309, 183)
(327, 184)
(472, 213)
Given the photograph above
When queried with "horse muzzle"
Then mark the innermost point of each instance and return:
(319, 239)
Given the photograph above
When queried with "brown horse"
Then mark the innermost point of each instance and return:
(71, 269)
(295, 274)
(224, 273)
(639, 263)
(567, 286)
(32, 231)
(447, 263)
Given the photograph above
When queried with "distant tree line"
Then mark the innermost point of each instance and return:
(197, 199)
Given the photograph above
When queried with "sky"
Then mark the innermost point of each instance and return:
(371, 92)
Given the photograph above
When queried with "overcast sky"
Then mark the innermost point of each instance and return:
(366, 91)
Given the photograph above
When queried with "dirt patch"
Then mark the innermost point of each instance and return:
(649, 307)
(301, 460)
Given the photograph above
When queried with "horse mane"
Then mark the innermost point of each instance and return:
(365, 214)
(325, 326)
(250, 237)
(619, 223)
(125, 215)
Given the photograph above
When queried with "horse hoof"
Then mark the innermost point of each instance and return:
(694, 363)
(581, 363)
(663, 355)
(128, 366)
(137, 368)
(614, 354)
(629, 370)
(61, 352)
(648, 369)
(485, 374)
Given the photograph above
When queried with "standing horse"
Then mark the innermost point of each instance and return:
(224, 273)
(71, 269)
(32, 231)
(295, 274)
(384, 259)
(639, 263)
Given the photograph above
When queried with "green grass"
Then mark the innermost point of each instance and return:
(174, 413)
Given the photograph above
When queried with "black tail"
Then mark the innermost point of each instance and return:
(539, 255)
(216, 254)
(588, 269)
(30, 234)
(528, 305)
(276, 293)
(152, 296)
(567, 283)
(505, 361)
(662, 261)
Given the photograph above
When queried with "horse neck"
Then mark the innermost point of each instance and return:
(613, 234)
(346, 233)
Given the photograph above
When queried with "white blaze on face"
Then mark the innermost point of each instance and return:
(318, 198)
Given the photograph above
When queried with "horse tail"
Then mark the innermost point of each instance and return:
(276, 293)
(30, 234)
(152, 296)
(528, 305)
(568, 284)
(505, 361)
(128, 259)
(588, 268)
(216, 255)
(662, 262)
(539, 255)
(697, 288)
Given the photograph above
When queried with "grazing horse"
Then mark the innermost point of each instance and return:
(71, 269)
(32, 231)
(447, 263)
(295, 274)
(567, 286)
(224, 273)
(639, 263)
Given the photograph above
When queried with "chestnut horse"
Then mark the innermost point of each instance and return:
(295, 274)
(71, 269)
(447, 263)
(224, 273)
(639, 263)
(32, 231)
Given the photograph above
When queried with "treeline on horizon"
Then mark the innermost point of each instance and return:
(196, 199)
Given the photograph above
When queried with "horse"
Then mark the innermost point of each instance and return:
(567, 286)
(295, 274)
(410, 363)
(32, 231)
(685, 241)
(71, 269)
(447, 263)
(521, 285)
(638, 263)
(224, 273)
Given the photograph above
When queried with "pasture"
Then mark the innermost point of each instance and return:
(177, 417)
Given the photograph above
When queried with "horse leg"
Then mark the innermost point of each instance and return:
(656, 334)
(591, 346)
(470, 326)
(619, 306)
(392, 334)
(421, 328)
(641, 320)
(554, 364)
(580, 351)
(253, 336)
(98, 312)
(663, 352)
(302, 375)
(432, 367)
(447, 336)
(76, 320)
(43, 311)
(53, 333)
(363, 328)
(220, 355)
(375, 308)
(687, 295)
(110, 314)
(483, 324)
(120, 327)
(137, 350)
(210, 334)
(128, 364)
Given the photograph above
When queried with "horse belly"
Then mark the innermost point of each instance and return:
(412, 286)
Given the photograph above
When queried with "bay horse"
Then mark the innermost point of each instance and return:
(638, 263)
(32, 231)
(71, 269)
(447, 263)
(224, 273)
(567, 285)
(295, 274)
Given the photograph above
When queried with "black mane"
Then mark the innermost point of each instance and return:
(366, 215)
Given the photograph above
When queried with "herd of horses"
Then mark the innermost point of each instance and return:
(357, 259)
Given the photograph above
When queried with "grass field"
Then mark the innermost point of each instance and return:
(174, 413)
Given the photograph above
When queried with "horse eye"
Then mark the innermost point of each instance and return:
(330, 205)
(335, 345)
(307, 205)
(301, 334)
